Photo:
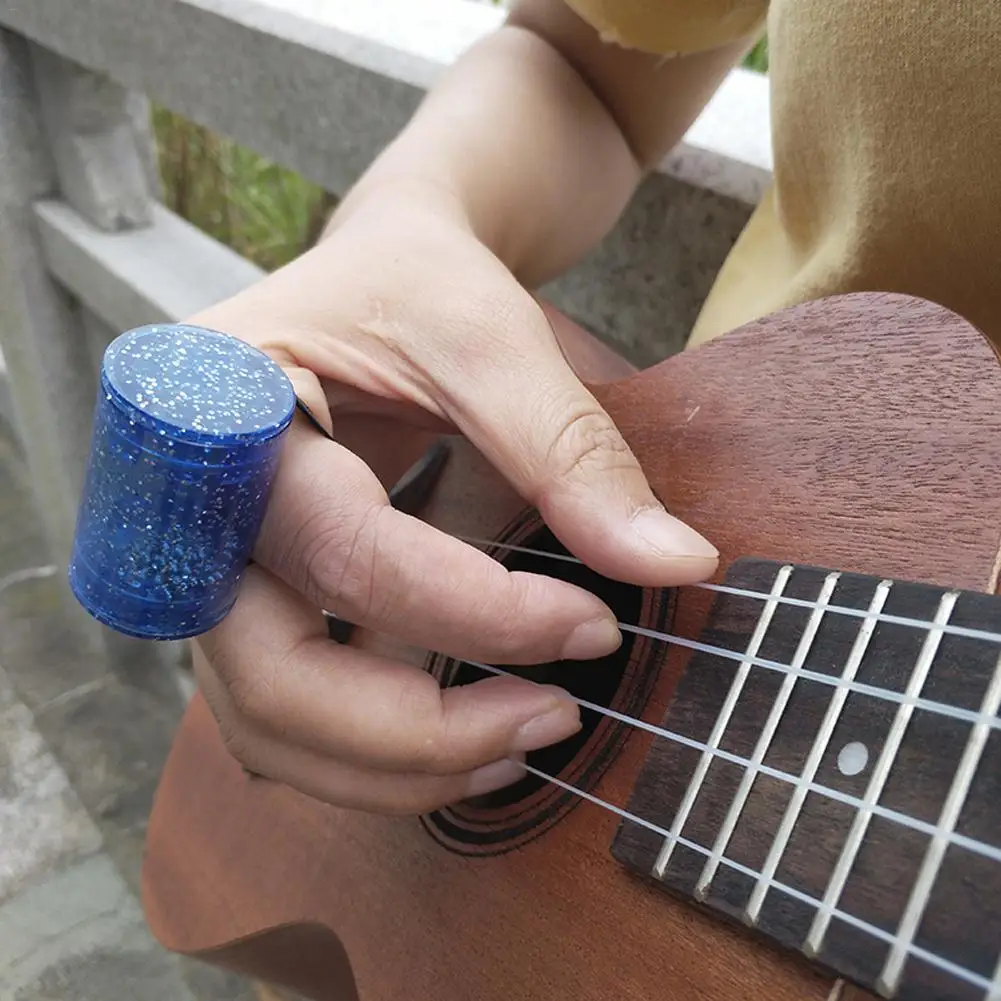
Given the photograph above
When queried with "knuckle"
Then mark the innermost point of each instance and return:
(436, 755)
(587, 443)
(447, 741)
(517, 622)
(323, 560)
(312, 554)
(237, 742)
(336, 560)
(253, 697)
(441, 755)
(410, 732)
(514, 639)
(429, 750)
(369, 584)
(237, 739)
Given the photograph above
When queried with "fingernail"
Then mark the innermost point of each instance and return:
(495, 776)
(549, 728)
(596, 638)
(670, 537)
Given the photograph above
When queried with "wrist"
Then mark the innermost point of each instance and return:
(384, 189)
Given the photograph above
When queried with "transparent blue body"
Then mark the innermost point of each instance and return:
(187, 435)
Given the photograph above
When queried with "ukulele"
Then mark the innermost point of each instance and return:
(788, 782)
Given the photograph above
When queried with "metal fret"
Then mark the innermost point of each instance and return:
(949, 817)
(879, 863)
(817, 751)
(881, 771)
(994, 991)
(764, 741)
(722, 720)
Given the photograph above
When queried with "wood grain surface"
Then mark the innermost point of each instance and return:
(779, 720)
(862, 433)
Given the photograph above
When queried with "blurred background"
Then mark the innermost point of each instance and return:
(262, 210)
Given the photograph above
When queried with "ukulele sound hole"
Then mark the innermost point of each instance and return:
(622, 681)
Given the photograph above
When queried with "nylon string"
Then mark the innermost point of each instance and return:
(992, 722)
(874, 691)
(904, 820)
(946, 965)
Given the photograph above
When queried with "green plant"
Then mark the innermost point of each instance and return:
(265, 212)
(757, 58)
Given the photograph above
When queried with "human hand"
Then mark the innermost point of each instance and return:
(402, 311)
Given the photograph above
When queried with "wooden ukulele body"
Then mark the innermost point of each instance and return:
(862, 433)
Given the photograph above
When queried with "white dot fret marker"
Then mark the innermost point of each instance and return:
(880, 773)
(817, 751)
(949, 817)
(852, 758)
(764, 741)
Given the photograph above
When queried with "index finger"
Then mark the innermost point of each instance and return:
(331, 534)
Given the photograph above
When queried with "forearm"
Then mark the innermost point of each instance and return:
(540, 160)
(514, 136)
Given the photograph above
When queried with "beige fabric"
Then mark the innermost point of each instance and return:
(887, 135)
(672, 26)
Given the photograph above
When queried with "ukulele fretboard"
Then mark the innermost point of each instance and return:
(837, 782)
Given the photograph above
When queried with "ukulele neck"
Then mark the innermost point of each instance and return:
(837, 782)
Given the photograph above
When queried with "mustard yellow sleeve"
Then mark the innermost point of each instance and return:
(673, 26)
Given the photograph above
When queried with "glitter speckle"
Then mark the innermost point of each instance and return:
(185, 445)
(198, 383)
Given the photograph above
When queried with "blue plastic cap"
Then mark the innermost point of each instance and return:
(187, 434)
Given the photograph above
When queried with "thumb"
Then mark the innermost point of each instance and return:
(549, 436)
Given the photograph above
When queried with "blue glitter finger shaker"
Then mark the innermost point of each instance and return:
(187, 434)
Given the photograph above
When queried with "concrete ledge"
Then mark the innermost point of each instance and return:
(640, 290)
(44, 825)
(164, 272)
(728, 150)
(322, 85)
(6, 403)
